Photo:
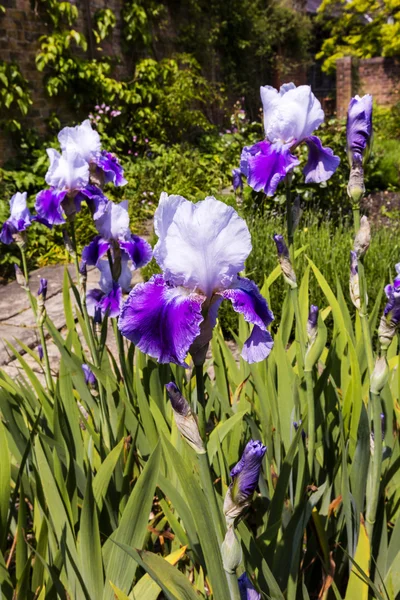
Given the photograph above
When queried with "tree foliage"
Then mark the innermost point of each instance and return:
(361, 28)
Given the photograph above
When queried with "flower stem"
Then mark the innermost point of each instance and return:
(201, 402)
(92, 344)
(289, 218)
(209, 491)
(363, 312)
(311, 419)
(233, 586)
(47, 370)
(373, 500)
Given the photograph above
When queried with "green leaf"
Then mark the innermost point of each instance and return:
(5, 484)
(132, 528)
(172, 582)
(218, 434)
(90, 544)
(102, 479)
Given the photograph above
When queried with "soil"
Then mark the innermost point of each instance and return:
(382, 208)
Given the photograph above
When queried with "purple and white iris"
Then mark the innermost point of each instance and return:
(112, 223)
(290, 118)
(392, 308)
(359, 128)
(85, 141)
(90, 377)
(246, 472)
(201, 249)
(107, 298)
(19, 220)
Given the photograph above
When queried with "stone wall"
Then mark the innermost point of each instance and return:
(20, 29)
(377, 76)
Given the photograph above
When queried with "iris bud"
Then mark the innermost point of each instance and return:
(231, 551)
(379, 375)
(184, 419)
(284, 260)
(363, 238)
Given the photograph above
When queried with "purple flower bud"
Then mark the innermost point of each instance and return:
(246, 472)
(179, 403)
(40, 351)
(42, 291)
(97, 317)
(281, 247)
(90, 377)
(246, 589)
(19, 276)
(237, 180)
(359, 127)
(312, 323)
(83, 268)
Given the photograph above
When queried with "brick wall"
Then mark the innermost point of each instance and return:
(377, 76)
(20, 29)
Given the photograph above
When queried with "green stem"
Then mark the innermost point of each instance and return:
(367, 341)
(121, 351)
(92, 343)
(47, 370)
(233, 586)
(209, 491)
(373, 500)
(294, 295)
(311, 419)
(201, 402)
(356, 218)
(289, 219)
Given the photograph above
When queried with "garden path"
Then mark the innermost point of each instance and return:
(18, 323)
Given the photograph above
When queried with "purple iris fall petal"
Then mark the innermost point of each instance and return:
(161, 320)
(265, 165)
(392, 308)
(111, 167)
(258, 346)
(247, 300)
(95, 200)
(6, 235)
(48, 206)
(359, 126)
(246, 589)
(40, 351)
(321, 164)
(94, 251)
(237, 180)
(246, 472)
(93, 298)
(108, 302)
(138, 250)
(90, 377)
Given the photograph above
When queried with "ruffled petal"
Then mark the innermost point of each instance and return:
(108, 303)
(265, 165)
(258, 346)
(247, 300)
(67, 171)
(114, 222)
(82, 140)
(138, 250)
(270, 100)
(19, 212)
(321, 164)
(6, 235)
(94, 251)
(48, 206)
(113, 172)
(162, 320)
(201, 246)
(295, 116)
(95, 200)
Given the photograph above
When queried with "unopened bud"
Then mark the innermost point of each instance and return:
(231, 551)
(386, 332)
(20, 277)
(184, 419)
(312, 324)
(356, 187)
(363, 238)
(284, 261)
(41, 308)
(354, 281)
(379, 375)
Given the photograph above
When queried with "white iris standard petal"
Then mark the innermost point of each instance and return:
(113, 224)
(81, 139)
(295, 115)
(201, 246)
(18, 209)
(67, 170)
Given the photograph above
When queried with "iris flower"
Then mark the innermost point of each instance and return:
(112, 223)
(290, 118)
(107, 298)
(359, 128)
(19, 220)
(201, 249)
(85, 141)
(246, 472)
(246, 589)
